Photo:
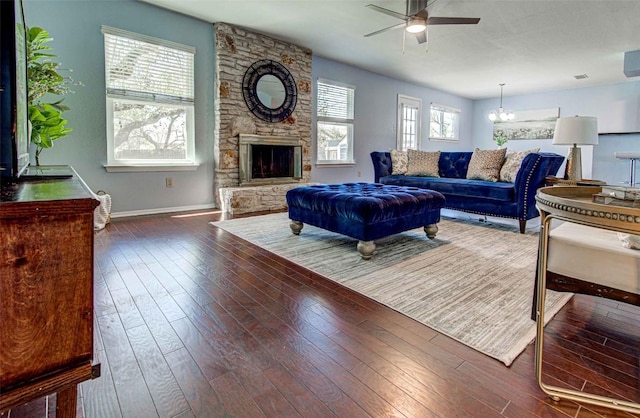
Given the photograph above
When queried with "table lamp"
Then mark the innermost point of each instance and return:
(575, 130)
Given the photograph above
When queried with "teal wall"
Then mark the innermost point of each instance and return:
(78, 42)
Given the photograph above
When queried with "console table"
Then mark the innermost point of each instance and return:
(46, 288)
(573, 204)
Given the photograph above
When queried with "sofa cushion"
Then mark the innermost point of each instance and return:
(457, 187)
(486, 164)
(512, 163)
(399, 161)
(454, 164)
(423, 163)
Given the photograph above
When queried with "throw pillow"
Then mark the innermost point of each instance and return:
(398, 162)
(423, 163)
(486, 164)
(512, 164)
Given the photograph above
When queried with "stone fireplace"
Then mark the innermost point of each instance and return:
(265, 160)
(237, 49)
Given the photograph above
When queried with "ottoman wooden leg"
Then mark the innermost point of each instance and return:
(366, 248)
(431, 230)
(296, 227)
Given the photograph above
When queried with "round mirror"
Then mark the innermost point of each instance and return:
(269, 91)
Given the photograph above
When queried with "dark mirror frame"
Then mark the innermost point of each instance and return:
(250, 92)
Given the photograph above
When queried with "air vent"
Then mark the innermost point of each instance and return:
(580, 76)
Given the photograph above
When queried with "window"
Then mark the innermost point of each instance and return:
(150, 101)
(335, 122)
(409, 122)
(444, 123)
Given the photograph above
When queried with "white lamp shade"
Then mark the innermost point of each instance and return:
(579, 130)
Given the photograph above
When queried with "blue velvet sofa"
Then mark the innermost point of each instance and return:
(508, 200)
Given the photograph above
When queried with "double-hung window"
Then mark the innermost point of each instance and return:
(335, 122)
(150, 102)
(409, 122)
(444, 123)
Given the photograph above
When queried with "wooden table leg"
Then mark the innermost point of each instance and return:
(66, 405)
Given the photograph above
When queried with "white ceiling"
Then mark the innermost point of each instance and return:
(531, 45)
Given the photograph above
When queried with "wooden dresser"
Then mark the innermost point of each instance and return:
(46, 288)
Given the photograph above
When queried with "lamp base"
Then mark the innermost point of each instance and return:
(573, 169)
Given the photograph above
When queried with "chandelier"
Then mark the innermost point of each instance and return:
(500, 113)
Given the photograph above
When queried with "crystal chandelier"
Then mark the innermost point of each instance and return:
(501, 113)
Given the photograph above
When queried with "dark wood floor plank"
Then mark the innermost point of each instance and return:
(127, 309)
(302, 399)
(208, 360)
(163, 334)
(236, 351)
(235, 398)
(99, 395)
(201, 397)
(268, 398)
(103, 302)
(131, 389)
(167, 396)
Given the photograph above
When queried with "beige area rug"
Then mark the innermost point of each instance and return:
(473, 282)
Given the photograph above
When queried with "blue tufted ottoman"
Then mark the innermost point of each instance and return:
(364, 211)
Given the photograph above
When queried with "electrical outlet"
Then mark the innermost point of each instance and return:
(169, 182)
(359, 173)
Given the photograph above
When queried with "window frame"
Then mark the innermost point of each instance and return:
(346, 122)
(413, 102)
(456, 129)
(154, 98)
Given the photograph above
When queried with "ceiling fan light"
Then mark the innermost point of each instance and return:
(416, 25)
(493, 116)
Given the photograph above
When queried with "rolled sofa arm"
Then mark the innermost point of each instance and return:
(531, 176)
(381, 164)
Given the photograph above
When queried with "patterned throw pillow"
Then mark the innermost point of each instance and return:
(423, 163)
(398, 162)
(512, 164)
(486, 164)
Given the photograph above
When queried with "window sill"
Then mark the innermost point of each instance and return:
(322, 164)
(130, 168)
(445, 139)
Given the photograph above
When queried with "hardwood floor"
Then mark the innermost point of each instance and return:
(194, 322)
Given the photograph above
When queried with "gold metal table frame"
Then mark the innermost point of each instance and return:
(573, 204)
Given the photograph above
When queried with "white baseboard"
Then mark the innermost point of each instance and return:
(162, 210)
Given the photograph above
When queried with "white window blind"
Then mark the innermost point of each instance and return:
(140, 66)
(335, 101)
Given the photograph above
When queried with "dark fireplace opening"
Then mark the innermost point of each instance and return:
(269, 161)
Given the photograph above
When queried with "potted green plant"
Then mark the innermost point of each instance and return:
(47, 123)
(500, 139)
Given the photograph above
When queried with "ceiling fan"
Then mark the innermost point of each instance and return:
(417, 19)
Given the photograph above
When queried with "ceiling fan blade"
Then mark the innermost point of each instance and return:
(398, 25)
(421, 37)
(453, 20)
(387, 11)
